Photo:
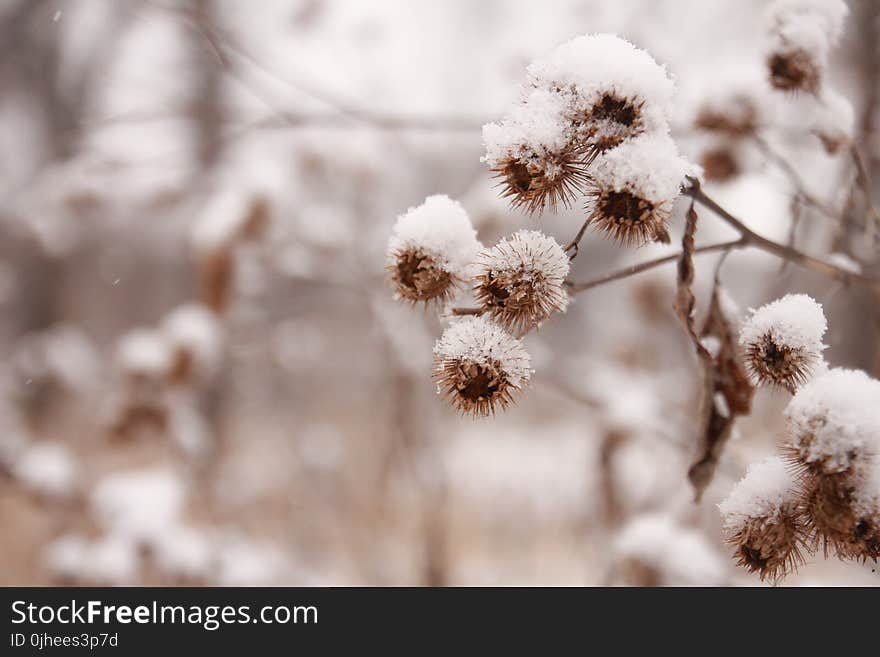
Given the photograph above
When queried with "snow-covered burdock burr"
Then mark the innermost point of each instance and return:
(801, 34)
(534, 155)
(833, 430)
(478, 366)
(633, 187)
(762, 520)
(613, 90)
(782, 341)
(590, 95)
(520, 280)
(430, 251)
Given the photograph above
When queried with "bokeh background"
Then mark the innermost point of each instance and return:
(205, 379)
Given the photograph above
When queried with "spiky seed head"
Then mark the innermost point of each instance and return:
(535, 182)
(608, 122)
(431, 250)
(801, 34)
(479, 367)
(416, 275)
(520, 280)
(615, 91)
(832, 423)
(633, 187)
(762, 520)
(841, 518)
(628, 218)
(771, 549)
(533, 152)
(833, 439)
(782, 341)
(771, 363)
(794, 70)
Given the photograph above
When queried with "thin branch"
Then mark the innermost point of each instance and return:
(863, 178)
(573, 246)
(794, 177)
(796, 215)
(574, 288)
(747, 238)
(780, 250)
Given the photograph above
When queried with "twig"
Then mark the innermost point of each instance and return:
(796, 214)
(780, 250)
(747, 238)
(794, 177)
(863, 178)
(573, 246)
(574, 288)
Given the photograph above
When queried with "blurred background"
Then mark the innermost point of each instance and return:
(205, 379)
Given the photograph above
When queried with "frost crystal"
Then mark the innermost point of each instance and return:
(834, 420)
(478, 365)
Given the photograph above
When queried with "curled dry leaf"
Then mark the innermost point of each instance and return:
(726, 392)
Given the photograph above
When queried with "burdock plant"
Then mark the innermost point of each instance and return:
(592, 125)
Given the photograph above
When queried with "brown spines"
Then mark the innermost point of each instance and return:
(629, 219)
(416, 275)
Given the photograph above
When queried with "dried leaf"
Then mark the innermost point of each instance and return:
(726, 396)
(684, 297)
(726, 392)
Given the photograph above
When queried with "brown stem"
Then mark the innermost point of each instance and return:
(780, 250)
(574, 288)
(573, 246)
(747, 238)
